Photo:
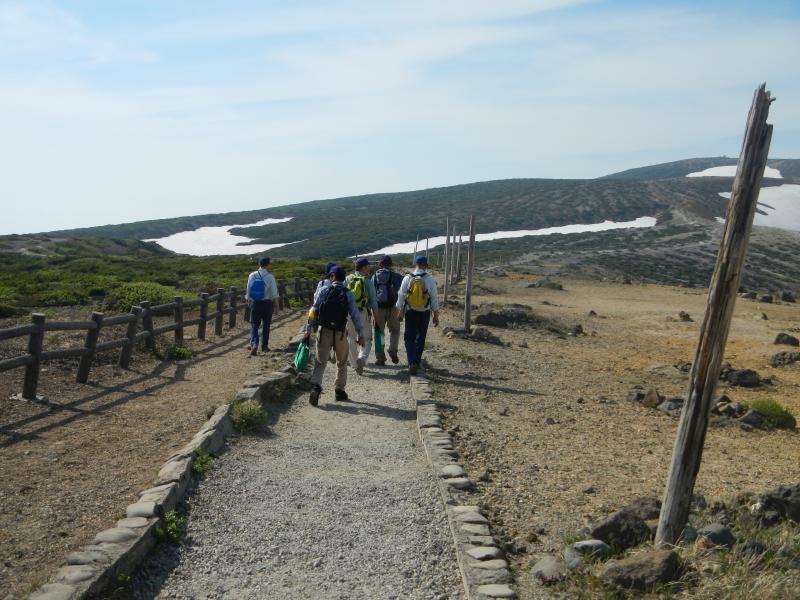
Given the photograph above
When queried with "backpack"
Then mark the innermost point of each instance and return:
(385, 288)
(333, 309)
(257, 289)
(358, 285)
(417, 298)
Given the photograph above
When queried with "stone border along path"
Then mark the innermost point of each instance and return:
(117, 552)
(337, 502)
(484, 569)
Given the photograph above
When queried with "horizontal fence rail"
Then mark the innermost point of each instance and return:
(140, 328)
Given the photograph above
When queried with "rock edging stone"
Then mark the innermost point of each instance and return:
(484, 570)
(118, 551)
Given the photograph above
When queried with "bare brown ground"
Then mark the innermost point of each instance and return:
(71, 466)
(502, 399)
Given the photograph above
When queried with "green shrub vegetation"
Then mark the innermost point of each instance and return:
(202, 462)
(172, 528)
(248, 415)
(776, 414)
(134, 293)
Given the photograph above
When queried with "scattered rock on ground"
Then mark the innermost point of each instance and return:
(684, 316)
(779, 504)
(643, 571)
(766, 299)
(481, 334)
(652, 398)
(645, 507)
(546, 284)
(787, 297)
(781, 359)
(549, 570)
(574, 554)
(749, 295)
(785, 338)
(624, 529)
(751, 548)
(743, 378)
(671, 406)
(715, 535)
(752, 418)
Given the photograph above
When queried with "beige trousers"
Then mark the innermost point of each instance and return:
(328, 339)
(357, 351)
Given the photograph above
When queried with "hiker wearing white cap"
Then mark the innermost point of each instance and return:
(419, 299)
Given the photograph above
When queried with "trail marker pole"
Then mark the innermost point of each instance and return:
(458, 260)
(703, 377)
(447, 260)
(470, 268)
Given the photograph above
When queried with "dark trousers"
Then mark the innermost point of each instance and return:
(260, 312)
(415, 333)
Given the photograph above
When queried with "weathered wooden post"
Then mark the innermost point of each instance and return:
(31, 382)
(282, 295)
(90, 345)
(220, 307)
(470, 267)
(458, 259)
(130, 335)
(232, 315)
(427, 242)
(453, 256)
(703, 377)
(201, 326)
(147, 325)
(447, 266)
(178, 320)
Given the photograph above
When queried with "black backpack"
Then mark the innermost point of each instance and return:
(333, 309)
(384, 281)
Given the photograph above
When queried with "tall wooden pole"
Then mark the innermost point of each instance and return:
(447, 260)
(470, 268)
(458, 261)
(453, 256)
(688, 450)
(413, 258)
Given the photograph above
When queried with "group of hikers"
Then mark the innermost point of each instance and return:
(347, 310)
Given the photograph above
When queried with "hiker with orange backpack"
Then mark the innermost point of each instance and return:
(387, 284)
(418, 298)
(363, 290)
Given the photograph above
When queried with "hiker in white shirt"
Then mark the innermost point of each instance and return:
(420, 300)
(262, 290)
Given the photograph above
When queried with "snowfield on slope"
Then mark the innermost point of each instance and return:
(730, 171)
(780, 205)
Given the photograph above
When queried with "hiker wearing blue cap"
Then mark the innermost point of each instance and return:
(418, 298)
(366, 300)
(387, 284)
(325, 281)
(262, 289)
(328, 317)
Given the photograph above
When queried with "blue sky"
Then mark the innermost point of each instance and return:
(120, 111)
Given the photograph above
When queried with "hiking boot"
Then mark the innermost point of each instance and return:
(253, 350)
(265, 349)
(393, 356)
(360, 366)
(413, 368)
(313, 398)
(341, 396)
(380, 361)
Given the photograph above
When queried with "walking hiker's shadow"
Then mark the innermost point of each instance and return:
(354, 407)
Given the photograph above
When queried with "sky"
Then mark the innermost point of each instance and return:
(121, 111)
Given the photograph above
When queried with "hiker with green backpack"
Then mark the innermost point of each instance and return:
(418, 298)
(363, 290)
(387, 285)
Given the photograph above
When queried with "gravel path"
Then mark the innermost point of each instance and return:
(337, 503)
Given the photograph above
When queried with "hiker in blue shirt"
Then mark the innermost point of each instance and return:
(418, 297)
(262, 290)
(332, 305)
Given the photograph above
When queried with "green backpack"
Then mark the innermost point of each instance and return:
(357, 284)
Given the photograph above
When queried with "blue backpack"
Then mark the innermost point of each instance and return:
(257, 289)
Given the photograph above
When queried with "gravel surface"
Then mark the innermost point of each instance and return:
(338, 502)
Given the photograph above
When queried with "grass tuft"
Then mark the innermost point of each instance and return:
(248, 415)
(776, 414)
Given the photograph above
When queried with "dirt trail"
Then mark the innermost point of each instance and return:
(71, 466)
(338, 502)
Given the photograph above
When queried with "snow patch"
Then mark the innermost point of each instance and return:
(408, 247)
(730, 171)
(780, 205)
(217, 241)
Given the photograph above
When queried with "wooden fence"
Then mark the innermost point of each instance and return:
(139, 326)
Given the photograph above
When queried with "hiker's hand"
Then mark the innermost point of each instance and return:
(360, 341)
(436, 319)
(398, 313)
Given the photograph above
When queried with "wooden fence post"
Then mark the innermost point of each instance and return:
(91, 343)
(703, 377)
(458, 260)
(234, 308)
(179, 321)
(470, 268)
(201, 326)
(147, 325)
(446, 257)
(220, 308)
(130, 334)
(35, 342)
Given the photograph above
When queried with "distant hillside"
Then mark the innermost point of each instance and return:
(360, 224)
(789, 168)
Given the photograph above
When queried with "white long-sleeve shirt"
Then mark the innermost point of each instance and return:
(430, 289)
(271, 291)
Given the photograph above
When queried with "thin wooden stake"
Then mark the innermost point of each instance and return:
(91, 343)
(470, 268)
(447, 261)
(704, 374)
(458, 259)
(31, 382)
